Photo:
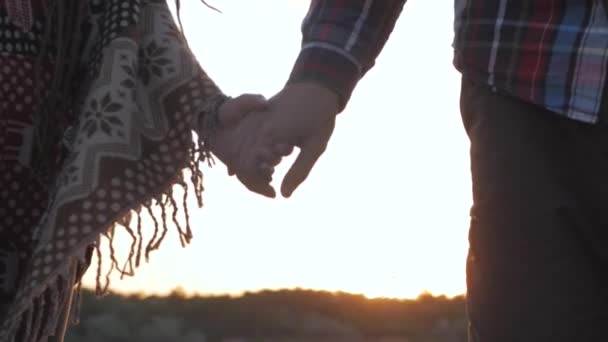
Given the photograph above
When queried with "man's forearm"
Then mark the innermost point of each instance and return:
(341, 41)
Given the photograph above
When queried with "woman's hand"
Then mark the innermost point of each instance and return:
(240, 120)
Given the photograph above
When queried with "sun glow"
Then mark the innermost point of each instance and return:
(385, 211)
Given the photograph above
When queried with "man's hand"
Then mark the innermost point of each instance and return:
(302, 115)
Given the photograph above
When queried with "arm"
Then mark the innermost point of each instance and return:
(341, 41)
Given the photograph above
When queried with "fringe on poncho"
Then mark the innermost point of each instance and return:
(99, 131)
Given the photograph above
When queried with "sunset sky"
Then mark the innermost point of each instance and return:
(385, 210)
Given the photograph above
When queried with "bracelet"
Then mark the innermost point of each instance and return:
(209, 123)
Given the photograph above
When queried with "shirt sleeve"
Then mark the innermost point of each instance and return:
(341, 40)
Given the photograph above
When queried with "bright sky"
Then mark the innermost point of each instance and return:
(384, 212)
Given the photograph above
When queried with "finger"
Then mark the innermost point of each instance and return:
(234, 110)
(267, 170)
(265, 190)
(253, 101)
(310, 152)
(266, 156)
(258, 186)
(283, 149)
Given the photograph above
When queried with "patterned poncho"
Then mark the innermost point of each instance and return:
(112, 145)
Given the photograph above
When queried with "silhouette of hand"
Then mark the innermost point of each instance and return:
(302, 115)
(237, 122)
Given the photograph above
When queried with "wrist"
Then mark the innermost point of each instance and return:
(320, 94)
(328, 68)
(208, 123)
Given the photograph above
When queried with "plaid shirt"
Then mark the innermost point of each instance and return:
(553, 53)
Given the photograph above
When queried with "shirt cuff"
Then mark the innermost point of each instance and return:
(328, 68)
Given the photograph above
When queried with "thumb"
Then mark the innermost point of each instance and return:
(310, 152)
(233, 110)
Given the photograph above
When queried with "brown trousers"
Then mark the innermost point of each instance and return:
(538, 260)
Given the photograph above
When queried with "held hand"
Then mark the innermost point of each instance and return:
(238, 122)
(234, 110)
(302, 115)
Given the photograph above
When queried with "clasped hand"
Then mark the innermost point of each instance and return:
(256, 134)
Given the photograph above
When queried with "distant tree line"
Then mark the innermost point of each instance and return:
(287, 315)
